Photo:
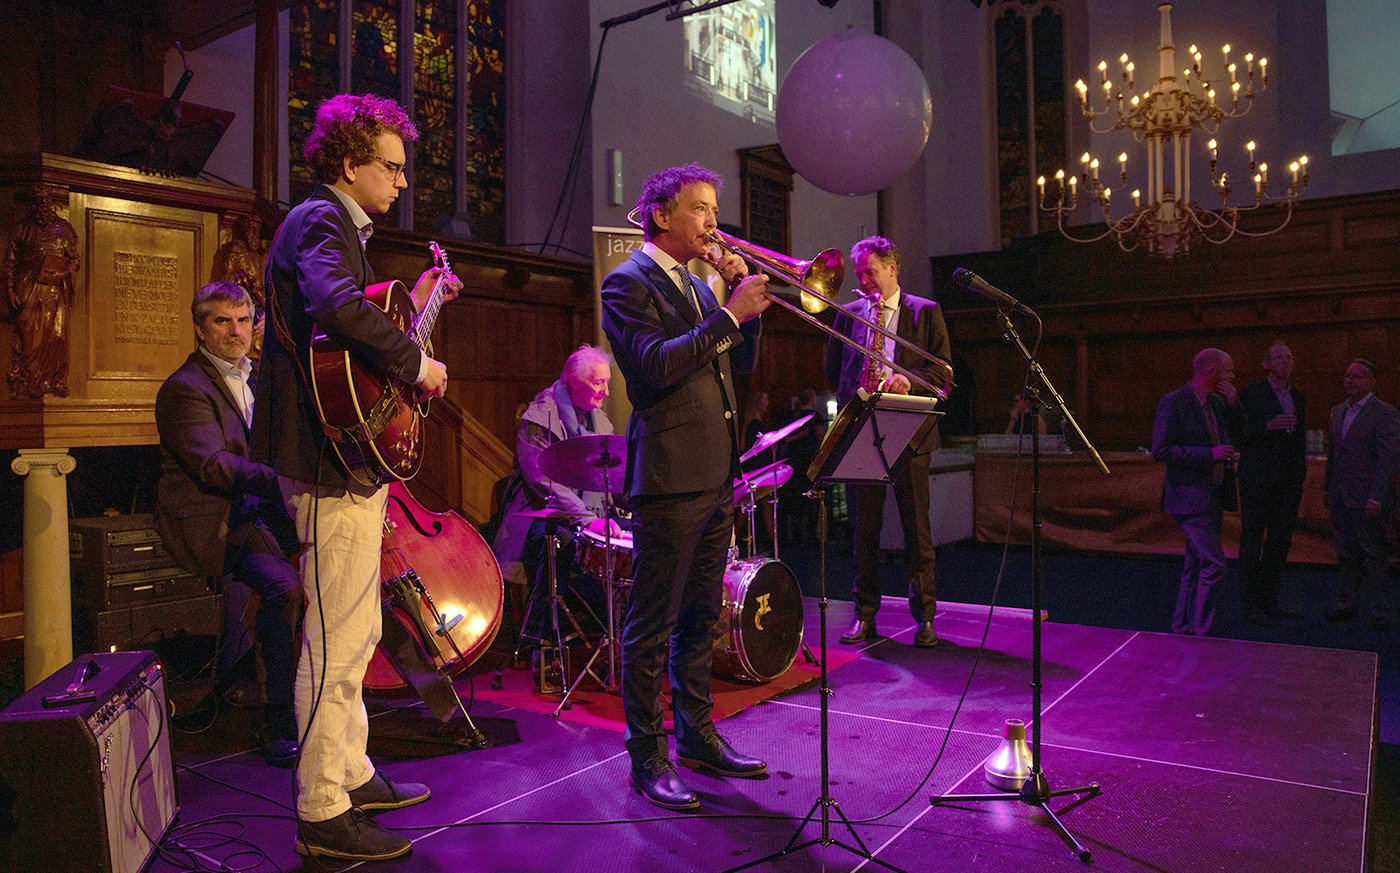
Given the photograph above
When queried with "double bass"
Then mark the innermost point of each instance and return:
(440, 574)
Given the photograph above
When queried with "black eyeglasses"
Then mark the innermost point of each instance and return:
(395, 168)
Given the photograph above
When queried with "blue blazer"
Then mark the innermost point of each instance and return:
(1362, 466)
(683, 435)
(1181, 440)
(316, 274)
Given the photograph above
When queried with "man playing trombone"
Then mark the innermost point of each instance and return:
(917, 321)
(678, 351)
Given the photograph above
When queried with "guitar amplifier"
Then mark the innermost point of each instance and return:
(86, 774)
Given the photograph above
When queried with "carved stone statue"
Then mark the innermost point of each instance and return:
(240, 261)
(36, 290)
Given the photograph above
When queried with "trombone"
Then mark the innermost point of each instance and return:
(818, 282)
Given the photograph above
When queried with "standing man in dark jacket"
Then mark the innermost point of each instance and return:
(219, 513)
(316, 275)
(678, 351)
(1193, 435)
(1360, 490)
(1273, 464)
(918, 320)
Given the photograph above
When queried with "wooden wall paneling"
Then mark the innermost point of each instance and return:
(1121, 329)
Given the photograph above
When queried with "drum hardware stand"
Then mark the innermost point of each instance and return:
(849, 454)
(1036, 791)
(556, 602)
(609, 640)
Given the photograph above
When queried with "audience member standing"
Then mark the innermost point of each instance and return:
(1273, 464)
(1192, 434)
(1360, 488)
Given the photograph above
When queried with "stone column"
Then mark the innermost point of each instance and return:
(48, 597)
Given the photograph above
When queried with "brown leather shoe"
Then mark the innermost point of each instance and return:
(861, 629)
(350, 836)
(717, 756)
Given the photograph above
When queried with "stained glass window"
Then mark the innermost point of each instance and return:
(1030, 105)
(486, 118)
(313, 75)
(445, 115)
(435, 110)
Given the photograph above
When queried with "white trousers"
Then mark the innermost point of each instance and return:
(340, 575)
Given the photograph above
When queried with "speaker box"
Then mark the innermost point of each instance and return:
(86, 777)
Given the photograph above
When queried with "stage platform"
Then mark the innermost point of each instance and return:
(1212, 754)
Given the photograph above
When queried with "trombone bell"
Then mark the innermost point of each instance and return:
(818, 278)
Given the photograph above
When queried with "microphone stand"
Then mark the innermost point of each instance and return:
(1036, 791)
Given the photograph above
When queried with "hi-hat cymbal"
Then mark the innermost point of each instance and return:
(592, 462)
(760, 483)
(768, 440)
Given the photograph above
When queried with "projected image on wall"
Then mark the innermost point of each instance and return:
(1363, 76)
(729, 55)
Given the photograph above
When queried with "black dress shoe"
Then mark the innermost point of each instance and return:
(925, 637)
(1342, 612)
(657, 781)
(350, 836)
(719, 757)
(861, 629)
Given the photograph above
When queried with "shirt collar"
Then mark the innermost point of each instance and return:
(244, 366)
(364, 226)
(663, 260)
(1278, 389)
(1362, 402)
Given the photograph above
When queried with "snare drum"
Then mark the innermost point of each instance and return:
(593, 555)
(760, 627)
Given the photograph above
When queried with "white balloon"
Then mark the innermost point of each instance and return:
(854, 113)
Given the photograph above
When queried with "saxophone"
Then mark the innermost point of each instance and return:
(872, 373)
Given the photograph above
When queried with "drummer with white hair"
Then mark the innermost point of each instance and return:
(571, 407)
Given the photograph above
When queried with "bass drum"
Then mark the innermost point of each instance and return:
(455, 565)
(760, 627)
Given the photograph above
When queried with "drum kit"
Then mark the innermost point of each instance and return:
(759, 633)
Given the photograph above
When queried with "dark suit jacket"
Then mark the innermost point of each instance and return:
(1276, 457)
(920, 322)
(1362, 466)
(207, 483)
(683, 435)
(316, 274)
(1182, 441)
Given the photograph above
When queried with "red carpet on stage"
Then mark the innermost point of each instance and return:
(591, 706)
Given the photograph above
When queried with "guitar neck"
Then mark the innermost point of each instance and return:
(423, 327)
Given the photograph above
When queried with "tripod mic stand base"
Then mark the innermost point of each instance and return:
(1035, 793)
(825, 805)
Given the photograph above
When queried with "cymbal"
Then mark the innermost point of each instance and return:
(583, 462)
(761, 482)
(550, 512)
(768, 440)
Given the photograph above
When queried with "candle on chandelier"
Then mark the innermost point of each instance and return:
(1293, 168)
(1224, 182)
(1123, 165)
(1131, 67)
(1040, 183)
(1083, 93)
(1094, 169)
(1103, 70)
(1060, 178)
(1225, 50)
(1249, 146)
(1107, 192)
(1210, 93)
(1303, 162)
(1211, 145)
(1264, 70)
(1264, 173)
(1234, 92)
(1137, 198)
(1258, 185)
(1249, 65)
(1231, 68)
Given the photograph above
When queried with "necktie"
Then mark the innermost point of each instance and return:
(1213, 428)
(686, 287)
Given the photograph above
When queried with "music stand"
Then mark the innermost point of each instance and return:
(871, 439)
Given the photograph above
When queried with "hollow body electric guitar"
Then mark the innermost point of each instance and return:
(374, 420)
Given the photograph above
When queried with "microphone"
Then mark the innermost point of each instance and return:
(973, 282)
